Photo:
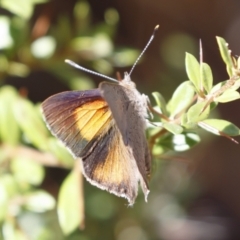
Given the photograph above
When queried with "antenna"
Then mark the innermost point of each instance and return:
(109, 78)
(88, 70)
(144, 50)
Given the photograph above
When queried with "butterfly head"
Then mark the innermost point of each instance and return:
(127, 82)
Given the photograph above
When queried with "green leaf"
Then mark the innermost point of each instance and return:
(228, 96)
(8, 189)
(218, 126)
(43, 47)
(226, 55)
(181, 99)
(22, 8)
(31, 124)
(179, 142)
(193, 71)
(173, 128)
(27, 170)
(7, 41)
(70, 202)
(185, 141)
(161, 103)
(12, 232)
(195, 114)
(9, 130)
(207, 78)
(39, 201)
(236, 85)
(217, 86)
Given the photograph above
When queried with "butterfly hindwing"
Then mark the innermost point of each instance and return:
(128, 108)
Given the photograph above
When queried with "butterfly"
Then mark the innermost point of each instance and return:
(105, 129)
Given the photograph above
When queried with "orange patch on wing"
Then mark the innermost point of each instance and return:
(114, 170)
(91, 118)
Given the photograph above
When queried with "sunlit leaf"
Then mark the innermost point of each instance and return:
(160, 102)
(181, 99)
(27, 170)
(226, 55)
(195, 114)
(70, 202)
(9, 130)
(218, 126)
(236, 85)
(178, 142)
(10, 231)
(193, 70)
(39, 201)
(44, 225)
(102, 45)
(228, 96)
(8, 189)
(43, 47)
(6, 40)
(207, 78)
(31, 124)
(22, 8)
(217, 87)
(173, 128)
(185, 141)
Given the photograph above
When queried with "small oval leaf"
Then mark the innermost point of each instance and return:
(39, 201)
(27, 170)
(181, 99)
(161, 103)
(228, 96)
(31, 124)
(195, 114)
(173, 128)
(226, 55)
(70, 201)
(207, 77)
(9, 129)
(218, 126)
(193, 70)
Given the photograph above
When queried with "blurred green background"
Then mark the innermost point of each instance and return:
(197, 198)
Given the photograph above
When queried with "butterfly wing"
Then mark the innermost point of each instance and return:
(128, 109)
(83, 122)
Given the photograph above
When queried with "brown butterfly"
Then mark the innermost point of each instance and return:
(105, 128)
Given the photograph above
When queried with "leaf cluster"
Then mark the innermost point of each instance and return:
(192, 103)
